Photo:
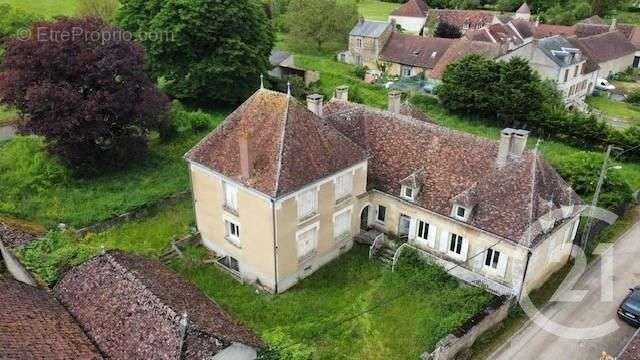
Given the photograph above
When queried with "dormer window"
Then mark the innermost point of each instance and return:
(461, 213)
(408, 193)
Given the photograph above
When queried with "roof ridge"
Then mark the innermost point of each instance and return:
(281, 148)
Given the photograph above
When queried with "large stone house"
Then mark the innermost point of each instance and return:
(411, 55)
(366, 41)
(556, 58)
(611, 51)
(280, 190)
(411, 16)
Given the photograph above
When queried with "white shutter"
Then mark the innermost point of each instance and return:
(444, 241)
(431, 238)
(502, 264)
(465, 249)
(412, 229)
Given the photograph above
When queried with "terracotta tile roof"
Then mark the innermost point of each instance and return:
(584, 30)
(523, 9)
(505, 34)
(291, 146)
(414, 50)
(412, 8)
(632, 349)
(479, 35)
(33, 325)
(525, 28)
(133, 307)
(453, 163)
(461, 49)
(546, 30)
(475, 19)
(12, 236)
(604, 47)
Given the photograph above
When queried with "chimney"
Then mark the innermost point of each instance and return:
(314, 104)
(513, 142)
(394, 101)
(342, 93)
(246, 155)
(519, 142)
(394, 25)
(613, 25)
(505, 146)
(360, 19)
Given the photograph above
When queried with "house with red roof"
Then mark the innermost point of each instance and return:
(411, 17)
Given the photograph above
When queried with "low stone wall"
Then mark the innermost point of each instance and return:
(8, 132)
(137, 213)
(464, 337)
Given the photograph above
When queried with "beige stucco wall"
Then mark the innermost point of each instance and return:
(395, 69)
(290, 270)
(410, 24)
(255, 253)
(369, 50)
(616, 65)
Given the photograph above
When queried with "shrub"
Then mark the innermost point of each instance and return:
(629, 75)
(634, 97)
(360, 71)
(282, 347)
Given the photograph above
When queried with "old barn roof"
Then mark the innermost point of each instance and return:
(33, 325)
(133, 307)
(462, 48)
(545, 30)
(453, 163)
(291, 146)
(414, 50)
(412, 8)
(604, 47)
(370, 28)
(472, 18)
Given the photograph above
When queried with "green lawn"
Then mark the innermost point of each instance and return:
(7, 115)
(33, 186)
(312, 312)
(148, 236)
(376, 10)
(621, 110)
(45, 8)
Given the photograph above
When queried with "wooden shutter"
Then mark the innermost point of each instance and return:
(431, 237)
(412, 229)
(465, 249)
(444, 241)
(502, 264)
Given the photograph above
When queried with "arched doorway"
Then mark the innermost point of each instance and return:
(364, 218)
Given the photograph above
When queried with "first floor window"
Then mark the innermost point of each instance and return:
(230, 196)
(407, 192)
(423, 230)
(307, 203)
(344, 185)
(342, 224)
(455, 244)
(307, 240)
(382, 213)
(232, 231)
(492, 259)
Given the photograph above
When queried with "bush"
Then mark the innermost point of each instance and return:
(282, 347)
(181, 120)
(629, 75)
(360, 71)
(634, 97)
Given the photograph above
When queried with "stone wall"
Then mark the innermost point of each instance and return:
(464, 337)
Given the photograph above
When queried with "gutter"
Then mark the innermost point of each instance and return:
(275, 245)
(524, 275)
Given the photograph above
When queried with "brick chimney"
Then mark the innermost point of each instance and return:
(342, 93)
(394, 101)
(314, 104)
(246, 155)
(513, 142)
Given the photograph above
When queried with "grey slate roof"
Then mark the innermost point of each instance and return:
(368, 28)
(277, 57)
(556, 43)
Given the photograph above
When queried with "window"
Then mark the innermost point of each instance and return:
(230, 196)
(344, 186)
(342, 224)
(461, 213)
(307, 203)
(230, 263)
(423, 230)
(566, 75)
(492, 259)
(307, 240)
(408, 193)
(359, 42)
(406, 71)
(382, 213)
(232, 232)
(575, 72)
(455, 244)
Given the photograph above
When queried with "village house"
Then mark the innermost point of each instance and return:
(280, 190)
(464, 20)
(366, 41)
(283, 65)
(611, 51)
(461, 48)
(411, 55)
(411, 16)
(555, 58)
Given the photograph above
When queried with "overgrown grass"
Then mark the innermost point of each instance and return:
(618, 109)
(625, 17)
(45, 8)
(57, 251)
(418, 305)
(35, 187)
(376, 10)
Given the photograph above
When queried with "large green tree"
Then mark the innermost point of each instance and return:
(14, 23)
(202, 50)
(519, 92)
(320, 22)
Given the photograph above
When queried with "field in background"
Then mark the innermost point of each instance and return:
(376, 10)
(625, 111)
(45, 8)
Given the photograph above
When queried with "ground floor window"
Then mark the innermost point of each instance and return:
(307, 240)
(455, 244)
(342, 224)
(232, 231)
(423, 230)
(382, 213)
(405, 71)
(492, 259)
(230, 263)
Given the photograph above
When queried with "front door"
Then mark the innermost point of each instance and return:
(364, 218)
(403, 228)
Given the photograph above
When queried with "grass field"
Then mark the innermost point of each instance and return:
(418, 305)
(45, 8)
(376, 10)
(621, 110)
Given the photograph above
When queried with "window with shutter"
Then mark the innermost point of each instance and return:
(342, 224)
(230, 196)
(307, 240)
(307, 203)
(344, 186)
(455, 244)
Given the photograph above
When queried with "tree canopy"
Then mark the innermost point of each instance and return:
(103, 9)
(202, 50)
(320, 22)
(446, 30)
(12, 22)
(87, 93)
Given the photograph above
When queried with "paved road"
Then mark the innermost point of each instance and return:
(532, 342)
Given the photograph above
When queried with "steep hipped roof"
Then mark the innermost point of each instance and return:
(523, 9)
(290, 145)
(462, 48)
(604, 47)
(33, 325)
(584, 30)
(370, 28)
(414, 50)
(412, 8)
(524, 27)
(505, 34)
(545, 30)
(453, 163)
(133, 307)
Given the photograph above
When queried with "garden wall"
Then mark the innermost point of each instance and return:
(464, 337)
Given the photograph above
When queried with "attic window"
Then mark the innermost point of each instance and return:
(461, 213)
(408, 193)
(433, 54)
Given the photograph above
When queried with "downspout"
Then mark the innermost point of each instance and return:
(524, 275)
(275, 245)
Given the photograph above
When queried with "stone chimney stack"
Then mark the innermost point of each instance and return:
(395, 98)
(614, 22)
(394, 25)
(246, 155)
(513, 142)
(314, 104)
(342, 93)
